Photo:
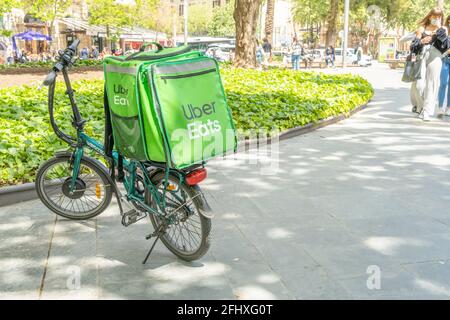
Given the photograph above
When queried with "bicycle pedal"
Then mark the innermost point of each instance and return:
(131, 217)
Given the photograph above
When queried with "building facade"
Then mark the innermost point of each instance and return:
(72, 25)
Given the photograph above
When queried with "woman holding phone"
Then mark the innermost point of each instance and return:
(432, 42)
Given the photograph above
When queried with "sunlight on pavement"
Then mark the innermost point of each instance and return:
(279, 233)
(390, 246)
(432, 287)
(253, 293)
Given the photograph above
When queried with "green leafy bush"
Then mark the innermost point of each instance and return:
(282, 99)
(275, 99)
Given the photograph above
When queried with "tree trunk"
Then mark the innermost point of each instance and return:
(440, 4)
(333, 17)
(270, 15)
(246, 14)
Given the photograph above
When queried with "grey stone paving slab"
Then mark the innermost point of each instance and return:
(431, 278)
(312, 283)
(25, 234)
(395, 283)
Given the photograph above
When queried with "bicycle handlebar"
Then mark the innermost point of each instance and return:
(73, 47)
(65, 59)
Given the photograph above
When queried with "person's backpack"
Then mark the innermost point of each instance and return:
(169, 106)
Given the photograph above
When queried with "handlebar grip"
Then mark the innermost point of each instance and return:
(73, 47)
(50, 78)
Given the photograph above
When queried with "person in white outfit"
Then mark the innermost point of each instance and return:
(431, 43)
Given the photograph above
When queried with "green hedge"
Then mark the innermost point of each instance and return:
(276, 99)
(284, 99)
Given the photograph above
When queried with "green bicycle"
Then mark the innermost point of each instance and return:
(79, 187)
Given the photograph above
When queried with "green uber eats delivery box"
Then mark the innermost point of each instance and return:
(168, 105)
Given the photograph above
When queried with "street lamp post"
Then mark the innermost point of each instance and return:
(346, 23)
(186, 16)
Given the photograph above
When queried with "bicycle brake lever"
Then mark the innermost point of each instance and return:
(49, 79)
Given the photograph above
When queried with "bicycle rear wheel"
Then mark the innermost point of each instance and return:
(92, 194)
(188, 237)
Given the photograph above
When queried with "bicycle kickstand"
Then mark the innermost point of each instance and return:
(158, 234)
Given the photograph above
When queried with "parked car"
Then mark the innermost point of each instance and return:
(352, 59)
(221, 51)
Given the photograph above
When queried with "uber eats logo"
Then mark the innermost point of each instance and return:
(199, 128)
(118, 100)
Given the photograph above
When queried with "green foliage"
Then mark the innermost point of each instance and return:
(46, 10)
(7, 5)
(26, 137)
(110, 14)
(282, 99)
(410, 12)
(222, 22)
(275, 99)
(199, 18)
(307, 12)
(154, 14)
(5, 33)
(393, 14)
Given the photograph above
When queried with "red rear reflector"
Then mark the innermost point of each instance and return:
(196, 177)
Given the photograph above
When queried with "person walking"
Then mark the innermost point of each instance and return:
(94, 53)
(267, 49)
(84, 54)
(330, 56)
(9, 55)
(296, 50)
(259, 54)
(431, 42)
(444, 89)
(359, 53)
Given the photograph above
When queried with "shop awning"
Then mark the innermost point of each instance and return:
(32, 35)
(130, 34)
(29, 36)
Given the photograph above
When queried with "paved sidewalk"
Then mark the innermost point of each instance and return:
(31, 79)
(368, 194)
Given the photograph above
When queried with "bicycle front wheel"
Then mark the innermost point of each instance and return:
(188, 234)
(91, 196)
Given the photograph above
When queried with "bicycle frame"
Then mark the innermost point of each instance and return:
(130, 166)
(82, 141)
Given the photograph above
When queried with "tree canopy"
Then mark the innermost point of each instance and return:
(45, 10)
(222, 21)
(110, 14)
(365, 15)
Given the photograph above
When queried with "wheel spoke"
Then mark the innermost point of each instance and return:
(84, 200)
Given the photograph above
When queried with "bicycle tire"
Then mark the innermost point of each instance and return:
(40, 188)
(197, 199)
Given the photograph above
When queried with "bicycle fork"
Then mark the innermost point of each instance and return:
(76, 158)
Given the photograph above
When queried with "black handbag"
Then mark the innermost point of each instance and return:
(413, 68)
